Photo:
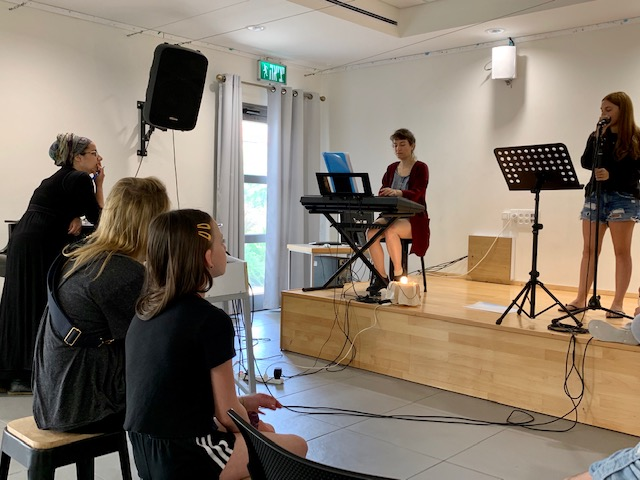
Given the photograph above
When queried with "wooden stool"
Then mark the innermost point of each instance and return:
(43, 451)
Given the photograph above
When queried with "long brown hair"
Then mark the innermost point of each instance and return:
(176, 264)
(628, 135)
(129, 209)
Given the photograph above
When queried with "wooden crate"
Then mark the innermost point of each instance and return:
(496, 267)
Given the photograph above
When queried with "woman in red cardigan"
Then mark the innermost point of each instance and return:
(406, 178)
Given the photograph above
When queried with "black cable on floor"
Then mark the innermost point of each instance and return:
(570, 368)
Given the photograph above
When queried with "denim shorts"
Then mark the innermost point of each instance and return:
(623, 464)
(614, 207)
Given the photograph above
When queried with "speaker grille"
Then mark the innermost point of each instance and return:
(175, 89)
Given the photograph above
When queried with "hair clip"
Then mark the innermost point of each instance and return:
(204, 233)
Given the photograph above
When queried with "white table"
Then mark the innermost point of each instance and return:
(231, 286)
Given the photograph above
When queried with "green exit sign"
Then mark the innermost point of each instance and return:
(272, 72)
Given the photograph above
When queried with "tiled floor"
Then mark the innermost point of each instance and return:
(391, 447)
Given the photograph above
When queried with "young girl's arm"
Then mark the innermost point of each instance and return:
(225, 398)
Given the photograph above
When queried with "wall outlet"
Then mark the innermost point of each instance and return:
(519, 216)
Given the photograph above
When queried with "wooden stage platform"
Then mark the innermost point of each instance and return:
(446, 344)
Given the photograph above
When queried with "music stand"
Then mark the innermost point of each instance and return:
(536, 168)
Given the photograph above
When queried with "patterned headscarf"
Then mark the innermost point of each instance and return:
(66, 147)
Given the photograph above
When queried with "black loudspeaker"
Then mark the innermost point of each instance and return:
(175, 89)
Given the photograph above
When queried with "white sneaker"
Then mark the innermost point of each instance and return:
(603, 331)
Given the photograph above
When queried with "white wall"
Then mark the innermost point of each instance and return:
(59, 74)
(459, 115)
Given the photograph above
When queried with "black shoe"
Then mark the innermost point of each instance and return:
(20, 387)
(398, 278)
(376, 285)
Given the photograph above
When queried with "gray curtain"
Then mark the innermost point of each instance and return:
(293, 120)
(229, 205)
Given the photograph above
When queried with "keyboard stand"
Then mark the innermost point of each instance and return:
(358, 251)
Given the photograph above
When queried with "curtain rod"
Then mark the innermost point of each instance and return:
(271, 88)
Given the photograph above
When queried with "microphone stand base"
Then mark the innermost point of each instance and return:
(560, 327)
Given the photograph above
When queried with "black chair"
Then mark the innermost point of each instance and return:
(267, 460)
(405, 249)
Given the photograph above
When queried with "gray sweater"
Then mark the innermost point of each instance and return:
(75, 386)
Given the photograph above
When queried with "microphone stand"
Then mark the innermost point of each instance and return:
(594, 302)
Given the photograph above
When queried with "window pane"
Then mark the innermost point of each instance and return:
(254, 148)
(255, 257)
(255, 209)
(255, 194)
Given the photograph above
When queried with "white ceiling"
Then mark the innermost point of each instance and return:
(319, 35)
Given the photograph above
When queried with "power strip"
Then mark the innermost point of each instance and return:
(273, 380)
(266, 379)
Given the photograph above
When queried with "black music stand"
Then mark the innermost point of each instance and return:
(536, 168)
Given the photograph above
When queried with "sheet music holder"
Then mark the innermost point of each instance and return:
(344, 184)
(536, 168)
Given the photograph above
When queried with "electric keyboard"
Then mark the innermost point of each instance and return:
(389, 207)
(397, 206)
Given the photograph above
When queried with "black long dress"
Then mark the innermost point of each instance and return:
(35, 242)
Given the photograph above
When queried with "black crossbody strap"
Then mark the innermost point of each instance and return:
(62, 325)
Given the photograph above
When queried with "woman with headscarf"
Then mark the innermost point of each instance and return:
(52, 220)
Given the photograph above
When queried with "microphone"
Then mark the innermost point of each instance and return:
(604, 121)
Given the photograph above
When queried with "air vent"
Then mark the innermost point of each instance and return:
(254, 112)
(338, 3)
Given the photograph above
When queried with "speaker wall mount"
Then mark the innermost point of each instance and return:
(145, 130)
